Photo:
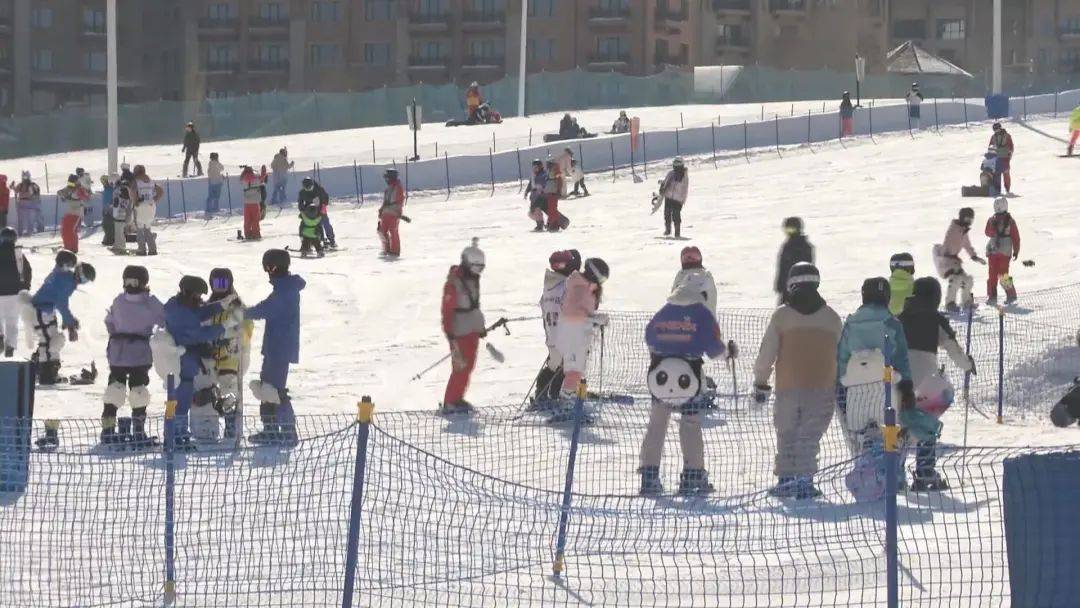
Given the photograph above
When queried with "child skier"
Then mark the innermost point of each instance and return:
(578, 318)
(950, 265)
(28, 205)
(691, 262)
(149, 194)
(15, 275)
(1004, 244)
(53, 298)
(901, 281)
(280, 348)
(847, 115)
(794, 250)
(550, 379)
(679, 335)
(1002, 145)
(553, 191)
(311, 231)
(988, 175)
(578, 179)
(254, 200)
(229, 357)
(926, 330)
(312, 194)
(393, 207)
(130, 322)
(75, 198)
(674, 189)
(535, 192)
(108, 225)
(914, 100)
(123, 211)
(463, 325)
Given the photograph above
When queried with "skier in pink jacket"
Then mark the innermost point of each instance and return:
(577, 321)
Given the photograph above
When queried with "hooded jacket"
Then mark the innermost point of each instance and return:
(1004, 235)
(185, 325)
(866, 329)
(317, 196)
(55, 294)
(685, 327)
(710, 285)
(795, 249)
(674, 188)
(901, 284)
(461, 314)
(551, 301)
(580, 301)
(130, 322)
(957, 240)
(15, 271)
(281, 310)
(926, 330)
(801, 340)
(191, 141)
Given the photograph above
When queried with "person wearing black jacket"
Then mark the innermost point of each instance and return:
(795, 249)
(15, 274)
(312, 194)
(191, 149)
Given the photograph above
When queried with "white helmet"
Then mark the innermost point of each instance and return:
(678, 162)
(473, 258)
(1001, 205)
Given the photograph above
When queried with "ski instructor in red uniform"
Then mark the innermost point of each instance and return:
(463, 325)
(390, 214)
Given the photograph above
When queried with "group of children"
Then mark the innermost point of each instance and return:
(550, 181)
(995, 177)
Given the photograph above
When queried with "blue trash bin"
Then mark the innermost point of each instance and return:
(17, 380)
(997, 106)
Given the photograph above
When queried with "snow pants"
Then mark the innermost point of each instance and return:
(275, 373)
(847, 126)
(461, 365)
(801, 418)
(328, 229)
(672, 215)
(121, 379)
(388, 233)
(958, 281)
(554, 218)
(999, 271)
(9, 320)
(191, 366)
(573, 340)
(3, 217)
(146, 239)
(29, 217)
(213, 198)
(192, 155)
(277, 196)
(252, 217)
(69, 232)
(108, 227)
(690, 438)
(50, 339)
(1075, 135)
(1001, 175)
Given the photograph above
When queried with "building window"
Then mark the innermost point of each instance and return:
(221, 56)
(611, 47)
(41, 17)
(93, 21)
(429, 51)
(377, 53)
(271, 11)
(1070, 25)
(95, 61)
(42, 60)
(379, 10)
(541, 50)
(325, 11)
(729, 35)
(914, 29)
(220, 11)
(271, 54)
(950, 29)
(486, 6)
(325, 54)
(614, 5)
(432, 7)
(541, 8)
(486, 48)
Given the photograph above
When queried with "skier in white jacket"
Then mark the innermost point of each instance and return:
(674, 189)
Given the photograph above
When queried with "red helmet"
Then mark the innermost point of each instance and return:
(690, 257)
(565, 262)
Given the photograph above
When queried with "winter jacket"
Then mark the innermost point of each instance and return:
(537, 184)
(473, 99)
(74, 198)
(55, 294)
(254, 192)
(108, 190)
(957, 240)
(317, 196)
(5, 193)
(710, 285)
(28, 192)
(1074, 119)
(554, 185)
(551, 301)
(621, 125)
(231, 354)
(568, 128)
(15, 271)
(926, 329)
(580, 301)
(796, 249)
(914, 98)
(393, 199)
(281, 309)
(1004, 235)
(684, 331)
(675, 189)
(847, 109)
(1002, 143)
(130, 322)
(149, 195)
(801, 341)
(866, 329)
(191, 141)
(186, 327)
(311, 228)
(215, 172)
(461, 314)
(280, 165)
(901, 286)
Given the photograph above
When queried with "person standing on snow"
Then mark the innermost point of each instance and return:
(75, 198)
(621, 124)
(215, 180)
(5, 200)
(393, 207)
(1074, 128)
(51, 299)
(1004, 244)
(794, 250)
(230, 356)
(914, 99)
(463, 325)
(901, 281)
(674, 189)
(550, 379)
(312, 194)
(280, 348)
(956, 241)
(146, 211)
(15, 275)
(311, 232)
(1002, 144)
(108, 224)
(847, 115)
(191, 149)
(578, 319)
(535, 192)
(553, 188)
(280, 166)
(691, 262)
(130, 322)
(801, 342)
(123, 210)
(28, 197)
(254, 200)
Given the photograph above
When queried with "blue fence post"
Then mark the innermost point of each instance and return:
(1001, 367)
(356, 181)
(491, 165)
(564, 513)
(746, 141)
(871, 118)
(168, 198)
(937, 124)
(520, 185)
(183, 199)
(170, 490)
(712, 132)
(776, 121)
(228, 192)
(678, 144)
(446, 161)
(644, 156)
(365, 410)
(891, 433)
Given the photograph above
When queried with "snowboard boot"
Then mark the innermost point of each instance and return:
(270, 431)
(539, 227)
(462, 407)
(49, 373)
(1010, 298)
(991, 300)
(123, 432)
(695, 482)
(928, 481)
(678, 229)
(804, 488)
(139, 439)
(51, 439)
(650, 481)
(9, 352)
(785, 487)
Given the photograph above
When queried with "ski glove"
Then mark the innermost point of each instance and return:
(971, 366)
(1016, 255)
(73, 334)
(761, 393)
(907, 394)
(732, 350)
(978, 260)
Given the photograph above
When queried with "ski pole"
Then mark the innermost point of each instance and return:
(500, 323)
(734, 383)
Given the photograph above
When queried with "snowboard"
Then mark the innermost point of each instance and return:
(657, 202)
(83, 378)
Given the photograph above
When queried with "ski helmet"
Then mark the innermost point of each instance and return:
(139, 170)
(876, 291)
(903, 261)
(473, 259)
(596, 270)
(66, 259)
(928, 289)
(221, 283)
(85, 273)
(390, 174)
(308, 183)
(996, 127)
(690, 257)
(8, 236)
(537, 163)
(136, 279)
(192, 289)
(803, 275)
(967, 215)
(561, 262)
(575, 259)
(276, 262)
(1001, 205)
(793, 225)
(25, 176)
(73, 180)
(678, 163)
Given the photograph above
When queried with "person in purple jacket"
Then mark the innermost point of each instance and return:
(130, 322)
(679, 335)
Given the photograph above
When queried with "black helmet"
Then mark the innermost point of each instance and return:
(8, 236)
(803, 275)
(221, 283)
(968, 214)
(66, 259)
(390, 174)
(596, 270)
(308, 183)
(903, 261)
(136, 279)
(192, 288)
(928, 290)
(876, 291)
(85, 273)
(311, 211)
(276, 261)
(538, 163)
(575, 259)
(793, 225)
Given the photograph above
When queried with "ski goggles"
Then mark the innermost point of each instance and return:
(220, 284)
(131, 282)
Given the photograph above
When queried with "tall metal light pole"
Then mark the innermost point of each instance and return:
(111, 84)
(521, 58)
(996, 84)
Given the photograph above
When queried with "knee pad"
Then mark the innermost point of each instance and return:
(114, 396)
(139, 398)
(265, 392)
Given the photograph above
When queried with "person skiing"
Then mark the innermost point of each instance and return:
(553, 188)
(796, 248)
(108, 192)
(215, 181)
(578, 177)
(1074, 128)
(621, 124)
(691, 261)
(565, 159)
(28, 205)
(674, 189)
(914, 99)
(123, 210)
(578, 319)
(191, 149)
(952, 267)
(847, 115)
(800, 341)
(926, 330)
(901, 281)
(473, 100)
(229, 356)
(463, 325)
(1004, 244)
(75, 198)
(561, 264)
(280, 165)
(51, 299)
(280, 348)
(5, 199)
(15, 275)
(311, 231)
(393, 207)
(130, 322)
(1002, 145)
(149, 194)
(186, 320)
(312, 194)
(535, 192)
(682, 332)
(254, 200)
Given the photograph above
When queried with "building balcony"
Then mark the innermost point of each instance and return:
(218, 23)
(732, 44)
(483, 20)
(267, 66)
(669, 16)
(428, 63)
(93, 31)
(614, 17)
(429, 22)
(795, 8)
(682, 59)
(1069, 33)
(741, 8)
(608, 61)
(220, 67)
(268, 24)
(483, 62)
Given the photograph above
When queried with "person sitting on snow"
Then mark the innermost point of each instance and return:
(622, 124)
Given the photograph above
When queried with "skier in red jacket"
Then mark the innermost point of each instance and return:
(1004, 244)
(463, 325)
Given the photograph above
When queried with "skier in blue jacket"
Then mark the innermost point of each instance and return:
(280, 348)
(51, 298)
